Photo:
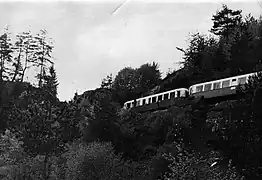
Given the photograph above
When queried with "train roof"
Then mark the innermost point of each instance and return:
(198, 84)
(173, 90)
(224, 79)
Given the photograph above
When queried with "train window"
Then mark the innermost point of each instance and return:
(132, 104)
(225, 84)
(178, 94)
(199, 88)
(159, 98)
(144, 101)
(217, 85)
(153, 99)
(172, 95)
(166, 96)
(128, 105)
(207, 87)
(149, 100)
(242, 80)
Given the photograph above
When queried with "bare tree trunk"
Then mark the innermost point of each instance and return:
(41, 70)
(40, 75)
(25, 67)
(17, 66)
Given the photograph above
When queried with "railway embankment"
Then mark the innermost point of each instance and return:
(219, 131)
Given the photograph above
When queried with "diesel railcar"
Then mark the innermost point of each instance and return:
(211, 89)
(152, 100)
(218, 88)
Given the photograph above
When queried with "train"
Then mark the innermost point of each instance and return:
(211, 89)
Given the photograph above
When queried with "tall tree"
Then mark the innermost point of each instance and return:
(44, 125)
(242, 58)
(42, 57)
(225, 20)
(125, 85)
(5, 55)
(149, 76)
(76, 98)
(17, 69)
(199, 57)
(194, 53)
(18, 56)
(227, 24)
(50, 81)
(26, 46)
(131, 83)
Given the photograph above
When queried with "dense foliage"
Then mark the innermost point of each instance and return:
(91, 137)
(132, 83)
(233, 49)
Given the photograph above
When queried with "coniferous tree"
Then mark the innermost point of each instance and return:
(5, 55)
(26, 46)
(226, 24)
(42, 57)
(50, 81)
(17, 64)
(44, 124)
(107, 82)
(225, 20)
(17, 69)
(76, 98)
(199, 61)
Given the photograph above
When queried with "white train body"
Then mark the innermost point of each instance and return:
(210, 89)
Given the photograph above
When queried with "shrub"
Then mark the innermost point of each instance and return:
(16, 164)
(98, 161)
(190, 165)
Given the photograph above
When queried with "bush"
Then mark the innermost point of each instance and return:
(184, 165)
(15, 163)
(98, 161)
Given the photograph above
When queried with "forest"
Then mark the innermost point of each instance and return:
(92, 137)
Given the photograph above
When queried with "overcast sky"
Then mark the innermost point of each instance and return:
(96, 38)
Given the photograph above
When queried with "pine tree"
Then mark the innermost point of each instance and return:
(50, 81)
(76, 97)
(44, 126)
(107, 82)
(42, 56)
(26, 46)
(225, 20)
(5, 55)
(17, 64)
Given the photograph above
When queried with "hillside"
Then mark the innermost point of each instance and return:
(184, 142)
(92, 137)
(208, 130)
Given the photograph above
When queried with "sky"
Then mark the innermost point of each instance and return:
(97, 37)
